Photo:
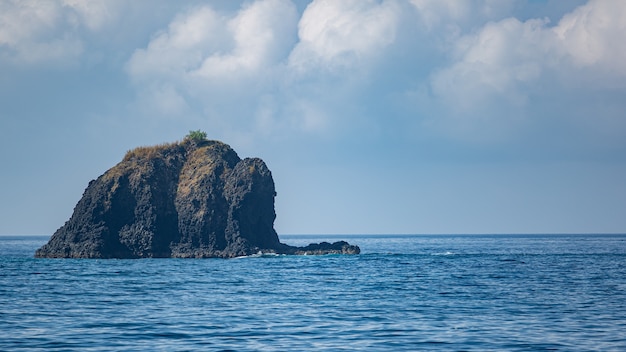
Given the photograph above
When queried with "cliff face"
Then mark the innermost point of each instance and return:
(193, 199)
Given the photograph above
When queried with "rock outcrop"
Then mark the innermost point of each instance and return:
(192, 199)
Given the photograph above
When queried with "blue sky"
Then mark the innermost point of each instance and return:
(422, 116)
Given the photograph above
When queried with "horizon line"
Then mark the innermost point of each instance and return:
(403, 234)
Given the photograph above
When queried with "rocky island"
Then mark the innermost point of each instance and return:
(190, 199)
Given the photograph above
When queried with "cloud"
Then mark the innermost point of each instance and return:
(592, 36)
(29, 32)
(492, 65)
(476, 72)
(222, 63)
(262, 36)
(202, 44)
(188, 41)
(340, 34)
(501, 78)
(33, 32)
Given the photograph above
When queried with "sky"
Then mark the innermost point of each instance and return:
(375, 117)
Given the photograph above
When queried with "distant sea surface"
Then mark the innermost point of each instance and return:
(411, 293)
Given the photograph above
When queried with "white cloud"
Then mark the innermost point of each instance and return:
(493, 63)
(33, 32)
(225, 64)
(593, 35)
(203, 44)
(467, 69)
(189, 39)
(500, 75)
(340, 34)
(25, 28)
(262, 35)
(15, 15)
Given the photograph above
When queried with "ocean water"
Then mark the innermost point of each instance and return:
(411, 293)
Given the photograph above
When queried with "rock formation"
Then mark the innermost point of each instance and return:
(191, 199)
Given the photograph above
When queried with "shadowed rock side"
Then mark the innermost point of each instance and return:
(194, 199)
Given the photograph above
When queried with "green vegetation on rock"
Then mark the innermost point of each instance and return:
(196, 136)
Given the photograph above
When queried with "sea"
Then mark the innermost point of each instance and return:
(402, 293)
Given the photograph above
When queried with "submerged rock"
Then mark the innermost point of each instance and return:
(193, 199)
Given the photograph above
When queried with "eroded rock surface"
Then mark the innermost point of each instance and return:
(193, 199)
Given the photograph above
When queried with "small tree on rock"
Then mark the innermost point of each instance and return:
(196, 136)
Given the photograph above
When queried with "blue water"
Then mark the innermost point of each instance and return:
(472, 293)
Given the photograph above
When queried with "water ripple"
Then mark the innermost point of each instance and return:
(404, 293)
